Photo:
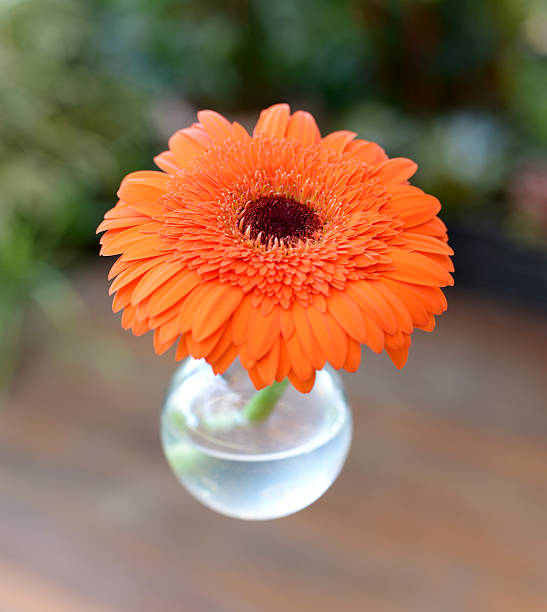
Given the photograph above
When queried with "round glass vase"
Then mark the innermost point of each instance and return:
(247, 469)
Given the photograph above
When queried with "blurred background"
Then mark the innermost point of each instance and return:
(443, 503)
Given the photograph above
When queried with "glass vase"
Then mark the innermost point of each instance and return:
(248, 469)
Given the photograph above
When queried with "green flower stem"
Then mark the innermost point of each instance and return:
(264, 401)
(183, 458)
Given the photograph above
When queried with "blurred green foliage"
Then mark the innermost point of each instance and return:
(458, 86)
(69, 128)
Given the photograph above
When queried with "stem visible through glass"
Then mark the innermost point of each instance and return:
(264, 401)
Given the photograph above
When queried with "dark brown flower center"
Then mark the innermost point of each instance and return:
(275, 216)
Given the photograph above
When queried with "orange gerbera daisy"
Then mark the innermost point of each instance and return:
(283, 248)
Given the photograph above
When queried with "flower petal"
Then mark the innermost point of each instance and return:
(146, 186)
(172, 291)
(255, 377)
(396, 170)
(431, 297)
(193, 298)
(123, 296)
(398, 356)
(430, 325)
(427, 244)
(413, 304)
(433, 227)
(301, 384)
(353, 358)
(202, 348)
(182, 349)
(120, 211)
(418, 269)
(218, 127)
(160, 346)
(262, 332)
(240, 133)
(184, 148)
(198, 134)
(375, 336)
(298, 360)
(373, 304)
(149, 246)
(114, 243)
(330, 336)
(337, 141)
(287, 323)
(442, 260)
(154, 278)
(404, 320)
(284, 362)
(135, 270)
(167, 162)
(302, 127)
(224, 343)
(415, 209)
(215, 310)
(348, 314)
(367, 152)
(273, 121)
(268, 365)
(225, 360)
(122, 223)
(241, 318)
(306, 337)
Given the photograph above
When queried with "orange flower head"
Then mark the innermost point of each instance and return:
(283, 248)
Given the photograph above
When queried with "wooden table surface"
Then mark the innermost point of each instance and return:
(442, 505)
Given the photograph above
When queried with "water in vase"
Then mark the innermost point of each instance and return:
(251, 470)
